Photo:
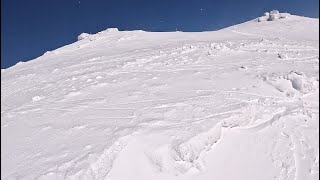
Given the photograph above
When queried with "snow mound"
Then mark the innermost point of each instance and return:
(273, 16)
(86, 35)
(109, 30)
(112, 30)
(83, 36)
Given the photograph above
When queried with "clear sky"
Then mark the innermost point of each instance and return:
(31, 27)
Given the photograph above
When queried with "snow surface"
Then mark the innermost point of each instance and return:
(240, 103)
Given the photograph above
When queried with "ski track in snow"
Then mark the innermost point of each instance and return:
(111, 107)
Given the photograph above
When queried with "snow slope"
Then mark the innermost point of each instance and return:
(240, 103)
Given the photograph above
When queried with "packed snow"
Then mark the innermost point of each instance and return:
(240, 103)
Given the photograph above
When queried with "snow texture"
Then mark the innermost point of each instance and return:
(240, 103)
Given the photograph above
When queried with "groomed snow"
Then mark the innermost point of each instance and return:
(240, 103)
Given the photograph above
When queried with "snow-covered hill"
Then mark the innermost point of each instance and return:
(240, 103)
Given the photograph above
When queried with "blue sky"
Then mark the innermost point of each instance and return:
(30, 28)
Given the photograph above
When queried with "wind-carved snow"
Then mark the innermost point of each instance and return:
(238, 103)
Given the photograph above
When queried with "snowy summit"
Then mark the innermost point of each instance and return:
(240, 103)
